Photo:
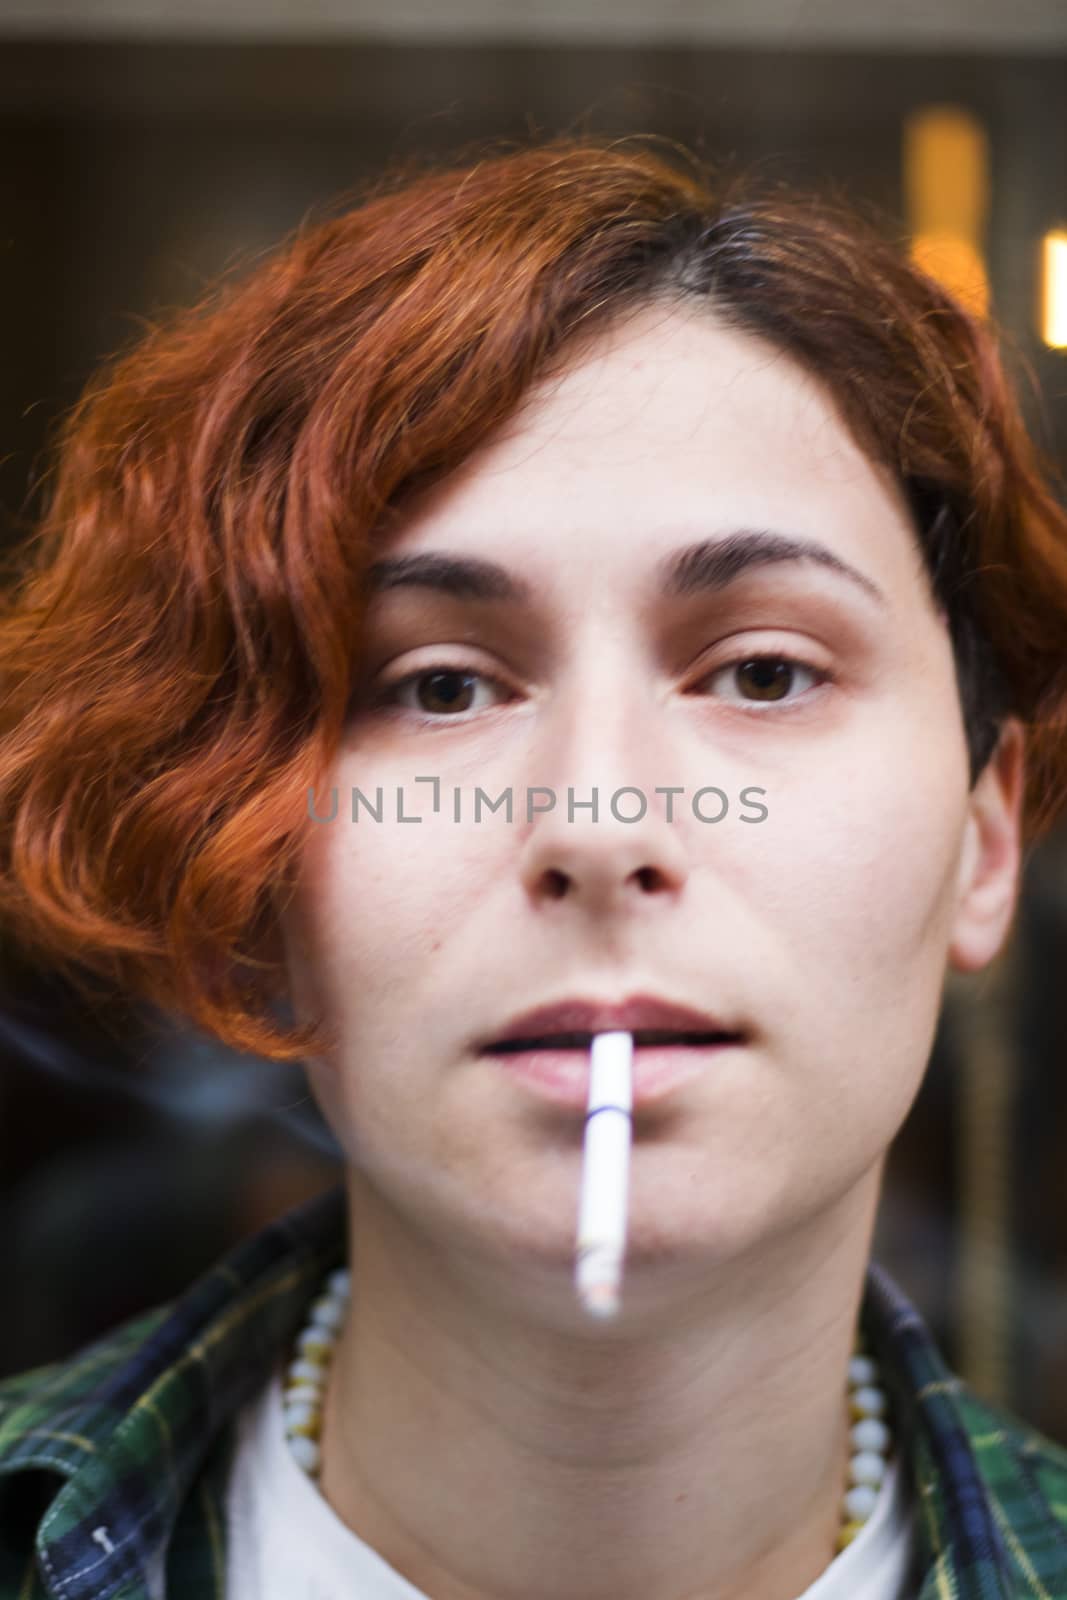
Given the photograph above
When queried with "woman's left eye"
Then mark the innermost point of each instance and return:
(768, 677)
(439, 691)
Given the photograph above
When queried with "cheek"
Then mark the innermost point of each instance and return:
(363, 936)
(377, 902)
(866, 847)
(874, 886)
(857, 897)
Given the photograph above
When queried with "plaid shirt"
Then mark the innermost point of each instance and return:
(114, 1463)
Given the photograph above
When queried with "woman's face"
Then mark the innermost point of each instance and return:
(822, 930)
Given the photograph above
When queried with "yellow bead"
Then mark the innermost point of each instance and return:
(310, 1429)
(847, 1534)
(317, 1353)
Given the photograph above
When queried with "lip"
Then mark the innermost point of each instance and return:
(563, 1075)
(637, 1012)
(562, 1072)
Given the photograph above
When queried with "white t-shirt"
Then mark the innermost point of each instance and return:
(287, 1543)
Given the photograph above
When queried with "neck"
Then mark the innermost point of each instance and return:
(699, 1450)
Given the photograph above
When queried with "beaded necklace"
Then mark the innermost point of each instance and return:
(305, 1383)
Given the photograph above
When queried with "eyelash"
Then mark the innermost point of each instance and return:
(385, 698)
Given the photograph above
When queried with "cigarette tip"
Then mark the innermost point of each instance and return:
(600, 1299)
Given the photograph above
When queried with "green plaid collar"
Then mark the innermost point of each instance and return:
(114, 1463)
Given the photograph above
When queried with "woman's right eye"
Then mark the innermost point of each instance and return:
(438, 693)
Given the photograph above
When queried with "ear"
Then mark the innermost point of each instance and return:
(988, 880)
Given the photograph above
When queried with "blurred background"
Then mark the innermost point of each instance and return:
(149, 144)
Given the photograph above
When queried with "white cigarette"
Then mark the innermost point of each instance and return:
(601, 1241)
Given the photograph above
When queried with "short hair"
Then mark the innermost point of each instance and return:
(179, 648)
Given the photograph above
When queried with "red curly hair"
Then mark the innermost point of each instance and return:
(179, 646)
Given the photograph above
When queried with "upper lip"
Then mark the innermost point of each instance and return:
(637, 1013)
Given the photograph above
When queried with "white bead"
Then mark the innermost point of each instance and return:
(302, 1390)
(317, 1339)
(307, 1372)
(870, 1401)
(328, 1313)
(306, 1452)
(860, 1502)
(298, 1411)
(870, 1434)
(866, 1467)
(339, 1283)
(862, 1370)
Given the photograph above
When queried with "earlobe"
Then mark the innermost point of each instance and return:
(988, 878)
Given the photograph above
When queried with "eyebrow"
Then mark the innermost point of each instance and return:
(707, 566)
(714, 563)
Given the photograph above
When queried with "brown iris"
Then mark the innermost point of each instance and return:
(449, 690)
(769, 677)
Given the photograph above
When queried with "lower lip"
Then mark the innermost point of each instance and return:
(563, 1075)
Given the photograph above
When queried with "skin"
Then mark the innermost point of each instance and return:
(481, 1432)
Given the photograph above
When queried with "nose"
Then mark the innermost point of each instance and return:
(603, 866)
(601, 837)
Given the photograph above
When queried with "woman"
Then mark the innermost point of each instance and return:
(706, 528)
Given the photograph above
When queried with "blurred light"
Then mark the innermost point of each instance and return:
(946, 193)
(1054, 289)
(954, 262)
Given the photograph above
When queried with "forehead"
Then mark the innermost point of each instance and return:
(664, 428)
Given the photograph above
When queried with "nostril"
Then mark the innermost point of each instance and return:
(650, 879)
